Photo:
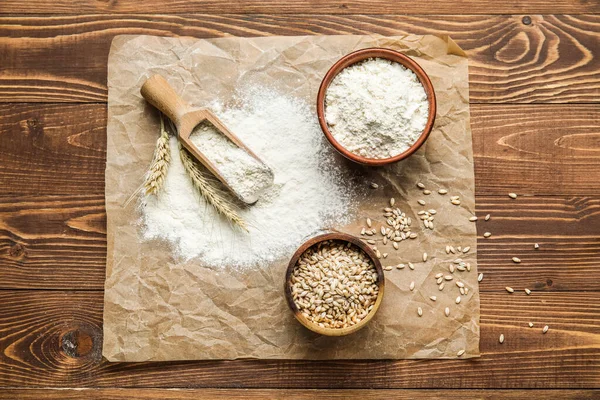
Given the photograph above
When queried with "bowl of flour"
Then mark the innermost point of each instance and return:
(376, 106)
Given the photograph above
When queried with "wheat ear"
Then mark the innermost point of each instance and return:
(155, 177)
(208, 190)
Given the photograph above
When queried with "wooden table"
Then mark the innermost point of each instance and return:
(535, 94)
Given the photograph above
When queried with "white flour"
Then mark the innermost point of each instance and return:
(376, 108)
(309, 193)
(245, 175)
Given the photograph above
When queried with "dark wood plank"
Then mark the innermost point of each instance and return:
(53, 339)
(557, 147)
(284, 394)
(53, 242)
(566, 229)
(551, 58)
(58, 242)
(55, 149)
(535, 149)
(301, 6)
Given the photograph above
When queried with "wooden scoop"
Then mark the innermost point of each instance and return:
(157, 91)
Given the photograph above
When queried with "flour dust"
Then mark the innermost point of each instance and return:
(310, 192)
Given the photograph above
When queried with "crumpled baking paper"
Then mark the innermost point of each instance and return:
(159, 308)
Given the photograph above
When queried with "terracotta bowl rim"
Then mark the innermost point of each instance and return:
(361, 55)
(292, 264)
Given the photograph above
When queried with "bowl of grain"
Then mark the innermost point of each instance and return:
(334, 284)
(376, 106)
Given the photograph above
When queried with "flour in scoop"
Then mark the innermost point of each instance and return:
(247, 176)
(376, 108)
(311, 191)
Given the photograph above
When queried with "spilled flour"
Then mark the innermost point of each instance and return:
(310, 192)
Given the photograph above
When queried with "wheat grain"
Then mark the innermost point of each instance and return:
(324, 276)
(157, 172)
(206, 188)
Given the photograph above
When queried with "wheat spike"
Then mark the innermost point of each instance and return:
(155, 177)
(208, 190)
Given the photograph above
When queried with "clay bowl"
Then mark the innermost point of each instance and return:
(288, 293)
(354, 58)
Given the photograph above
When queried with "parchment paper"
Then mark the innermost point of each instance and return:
(157, 308)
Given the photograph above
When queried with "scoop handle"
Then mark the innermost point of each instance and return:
(157, 91)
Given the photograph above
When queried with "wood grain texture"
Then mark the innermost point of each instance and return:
(301, 6)
(566, 229)
(557, 147)
(56, 149)
(553, 59)
(537, 149)
(291, 394)
(52, 339)
(60, 240)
